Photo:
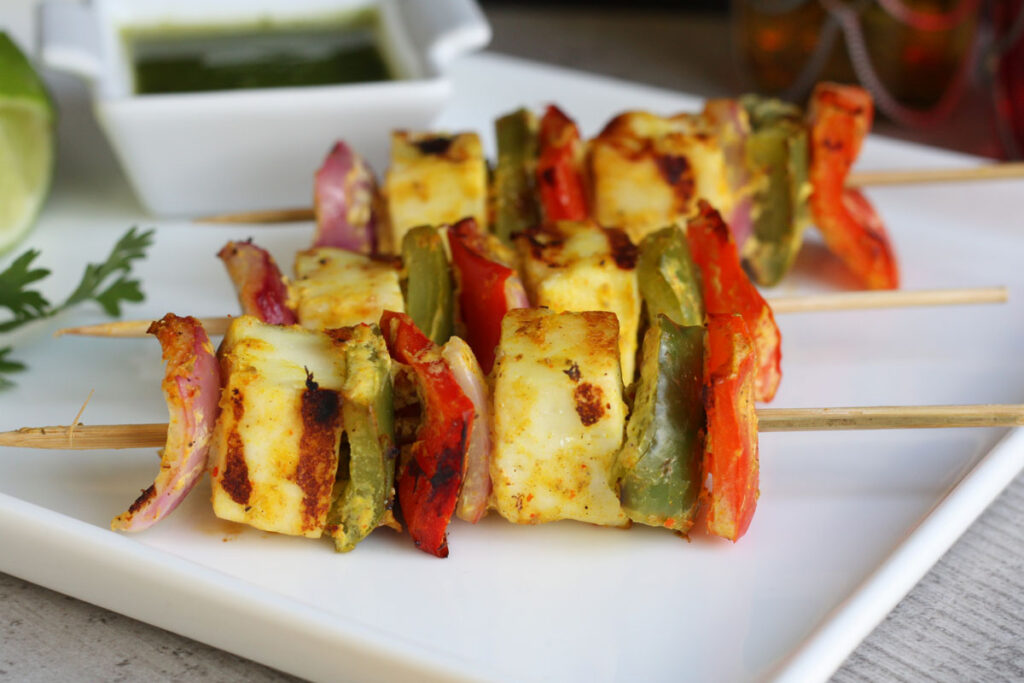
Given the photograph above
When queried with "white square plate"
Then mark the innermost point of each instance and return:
(847, 521)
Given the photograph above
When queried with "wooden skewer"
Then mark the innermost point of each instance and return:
(88, 437)
(269, 216)
(888, 417)
(109, 437)
(855, 179)
(936, 175)
(846, 301)
(843, 301)
(137, 328)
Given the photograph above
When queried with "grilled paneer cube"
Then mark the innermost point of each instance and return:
(338, 288)
(586, 269)
(649, 171)
(559, 417)
(435, 180)
(274, 455)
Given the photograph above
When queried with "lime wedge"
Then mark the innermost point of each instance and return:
(26, 144)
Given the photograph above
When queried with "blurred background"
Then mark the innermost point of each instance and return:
(948, 73)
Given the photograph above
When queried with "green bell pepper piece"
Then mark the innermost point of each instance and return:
(366, 490)
(429, 295)
(516, 207)
(777, 149)
(660, 463)
(669, 279)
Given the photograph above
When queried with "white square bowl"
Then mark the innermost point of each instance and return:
(200, 153)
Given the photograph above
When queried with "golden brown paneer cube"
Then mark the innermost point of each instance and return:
(274, 454)
(559, 417)
(339, 288)
(436, 180)
(586, 268)
(648, 171)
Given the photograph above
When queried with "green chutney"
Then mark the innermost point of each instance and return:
(181, 59)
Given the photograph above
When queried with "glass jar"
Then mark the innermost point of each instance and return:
(916, 50)
(1008, 54)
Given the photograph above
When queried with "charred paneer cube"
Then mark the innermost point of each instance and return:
(338, 288)
(274, 455)
(586, 268)
(559, 417)
(649, 171)
(435, 180)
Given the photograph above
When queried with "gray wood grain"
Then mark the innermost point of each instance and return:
(46, 636)
(965, 620)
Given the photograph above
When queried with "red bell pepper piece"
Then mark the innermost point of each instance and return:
(428, 484)
(487, 290)
(728, 290)
(840, 116)
(261, 288)
(559, 177)
(730, 448)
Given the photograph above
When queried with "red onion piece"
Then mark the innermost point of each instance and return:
(733, 127)
(262, 290)
(741, 220)
(344, 197)
(515, 293)
(476, 481)
(192, 388)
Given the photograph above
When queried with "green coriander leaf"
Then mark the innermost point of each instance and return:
(8, 366)
(26, 304)
(131, 247)
(122, 290)
(109, 284)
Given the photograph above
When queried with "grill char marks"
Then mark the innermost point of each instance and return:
(589, 403)
(142, 499)
(236, 472)
(437, 146)
(624, 252)
(678, 172)
(318, 450)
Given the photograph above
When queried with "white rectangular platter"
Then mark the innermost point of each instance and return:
(847, 522)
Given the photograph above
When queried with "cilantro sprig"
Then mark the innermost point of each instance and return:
(7, 366)
(108, 284)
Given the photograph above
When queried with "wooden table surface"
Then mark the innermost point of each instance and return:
(964, 621)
